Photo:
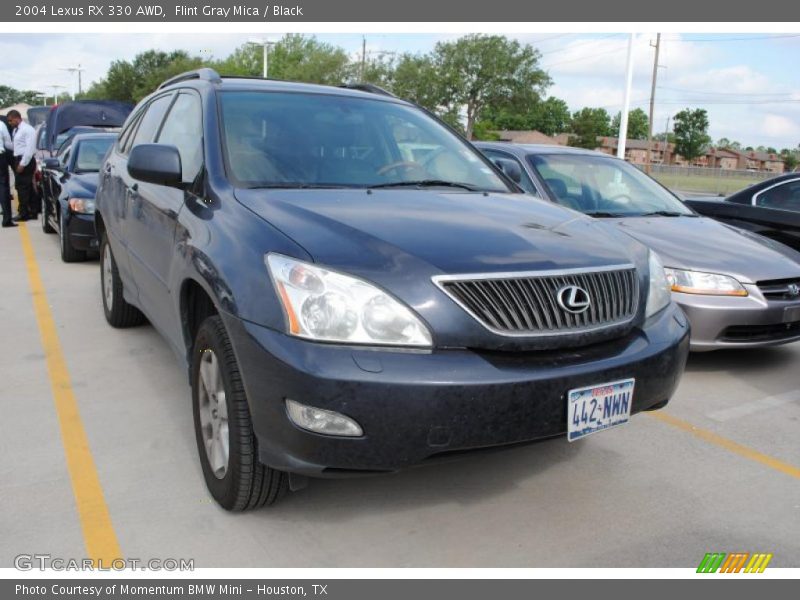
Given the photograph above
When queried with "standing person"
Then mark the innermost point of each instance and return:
(6, 150)
(24, 138)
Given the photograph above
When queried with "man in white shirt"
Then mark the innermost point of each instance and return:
(6, 149)
(24, 138)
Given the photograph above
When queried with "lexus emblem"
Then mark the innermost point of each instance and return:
(793, 290)
(573, 299)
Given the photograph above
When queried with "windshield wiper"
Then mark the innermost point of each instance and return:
(295, 186)
(665, 213)
(601, 214)
(426, 183)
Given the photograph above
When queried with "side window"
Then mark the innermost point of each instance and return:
(151, 121)
(123, 142)
(184, 130)
(785, 196)
(525, 182)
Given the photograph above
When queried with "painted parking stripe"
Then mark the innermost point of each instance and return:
(98, 531)
(756, 406)
(730, 445)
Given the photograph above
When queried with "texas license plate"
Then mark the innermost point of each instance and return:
(598, 407)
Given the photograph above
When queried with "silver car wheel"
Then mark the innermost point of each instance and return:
(108, 281)
(213, 410)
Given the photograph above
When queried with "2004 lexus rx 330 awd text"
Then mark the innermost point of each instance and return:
(354, 289)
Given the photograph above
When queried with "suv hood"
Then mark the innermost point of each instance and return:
(703, 244)
(452, 232)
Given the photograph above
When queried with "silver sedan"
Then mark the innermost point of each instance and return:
(738, 289)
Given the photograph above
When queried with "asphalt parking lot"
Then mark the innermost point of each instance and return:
(717, 470)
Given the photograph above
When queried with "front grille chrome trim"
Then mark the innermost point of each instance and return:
(527, 308)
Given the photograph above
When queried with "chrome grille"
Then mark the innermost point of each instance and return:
(780, 289)
(527, 303)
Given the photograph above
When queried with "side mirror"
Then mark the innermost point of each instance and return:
(510, 168)
(156, 163)
(53, 164)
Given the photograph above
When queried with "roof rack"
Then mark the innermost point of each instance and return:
(367, 87)
(206, 74)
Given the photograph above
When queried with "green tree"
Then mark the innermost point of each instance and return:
(790, 158)
(10, 96)
(638, 124)
(132, 81)
(588, 124)
(550, 116)
(480, 71)
(691, 133)
(294, 57)
(415, 79)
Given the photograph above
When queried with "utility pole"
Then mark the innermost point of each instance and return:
(363, 56)
(622, 136)
(652, 106)
(77, 70)
(666, 142)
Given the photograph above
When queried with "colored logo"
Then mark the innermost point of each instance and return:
(736, 562)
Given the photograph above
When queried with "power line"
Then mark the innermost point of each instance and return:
(582, 58)
(736, 39)
(581, 44)
(690, 91)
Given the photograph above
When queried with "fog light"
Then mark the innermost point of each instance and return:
(322, 421)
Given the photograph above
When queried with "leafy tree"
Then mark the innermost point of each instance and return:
(790, 158)
(638, 124)
(691, 133)
(549, 116)
(10, 96)
(295, 57)
(771, 150)
(659, 137)
(132, 81)
(479, 71)
(415, 79)
(588, 124)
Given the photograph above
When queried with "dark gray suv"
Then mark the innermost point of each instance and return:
(353, 289)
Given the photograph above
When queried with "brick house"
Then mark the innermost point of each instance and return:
(636, 150)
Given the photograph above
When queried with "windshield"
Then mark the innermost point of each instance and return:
(604, 186)
(275, 139)
(90, 154)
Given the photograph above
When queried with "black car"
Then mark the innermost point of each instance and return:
(346, 305)
(770, 208)
(69, 182)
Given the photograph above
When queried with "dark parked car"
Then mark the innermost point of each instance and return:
(770, 208)
(739, 290)
(37, 115)
(344, 308)
(104, 114)
(69, 184)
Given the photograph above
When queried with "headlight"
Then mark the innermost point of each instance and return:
(81, 205)
(658, 295)
(329, 306)
(712, 284)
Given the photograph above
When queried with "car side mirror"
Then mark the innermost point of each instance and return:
(510, 168)
(53, 164)
(156, 163)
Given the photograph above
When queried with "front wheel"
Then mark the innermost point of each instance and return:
(68, 253)
(223, 427)
(118, 312)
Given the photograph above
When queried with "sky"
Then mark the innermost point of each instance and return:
(749, 83)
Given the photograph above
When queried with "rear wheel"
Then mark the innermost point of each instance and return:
(68, 253)
(119, 313)
(226, 442)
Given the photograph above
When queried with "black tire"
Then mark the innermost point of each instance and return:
(46, 227)
(246, 483)
(68, 253)
(119, 314)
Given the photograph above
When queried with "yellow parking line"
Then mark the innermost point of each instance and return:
(731, 446)
(98, 531)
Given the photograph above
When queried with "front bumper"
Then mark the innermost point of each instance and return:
(80, 231)
(415, 405)
(739, 322)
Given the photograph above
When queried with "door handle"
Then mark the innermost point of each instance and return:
(135, 187)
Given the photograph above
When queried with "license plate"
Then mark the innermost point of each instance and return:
(791, 314)
(598, 407)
